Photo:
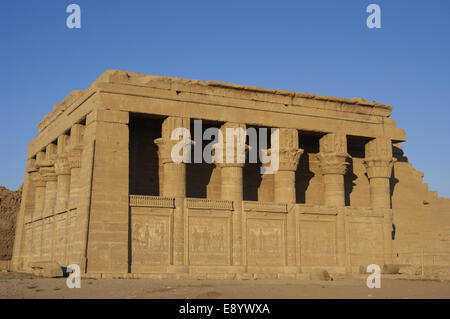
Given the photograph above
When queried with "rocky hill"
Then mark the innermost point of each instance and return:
(9, 207)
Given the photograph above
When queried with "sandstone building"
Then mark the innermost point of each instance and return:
(101, 190)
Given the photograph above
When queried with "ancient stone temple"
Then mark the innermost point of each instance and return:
(102, 191)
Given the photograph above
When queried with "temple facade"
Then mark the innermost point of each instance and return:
(102, 191)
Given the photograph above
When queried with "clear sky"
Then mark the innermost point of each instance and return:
(319, 46)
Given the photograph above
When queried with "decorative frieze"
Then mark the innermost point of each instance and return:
(152, 201)
(200, 203)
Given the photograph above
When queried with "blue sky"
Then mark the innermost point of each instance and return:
(319, 46)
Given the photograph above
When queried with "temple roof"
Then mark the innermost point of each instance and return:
(123, 79)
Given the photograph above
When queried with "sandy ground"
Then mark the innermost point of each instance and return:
(13, 285)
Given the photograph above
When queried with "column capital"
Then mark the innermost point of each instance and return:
(333, 163)
(171, 123)
(47, 158)
(76, 135)
(74, 155)
(238, 148)
(165, 149)
(46, 161)
(37, 179)
(48, 173)
(379, 167)
(165, 144)
(62, 165)
(288, 158)
(333, 154)
(31, 166)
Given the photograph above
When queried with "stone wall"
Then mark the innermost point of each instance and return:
(421, 218)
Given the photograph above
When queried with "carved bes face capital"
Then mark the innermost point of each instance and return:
(333, 163)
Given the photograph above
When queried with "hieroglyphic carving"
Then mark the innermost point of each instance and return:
(333, 154)
(73, 247)
(37, 235)
(365, 242)
(266, 241)
(380, 147)
(47, 238)
(61, 239)
(317, 242)
(209, 240)
(151, 239)
(333, 143)
(28, 243)
(151, 201)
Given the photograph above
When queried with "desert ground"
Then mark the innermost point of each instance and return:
(17, 286)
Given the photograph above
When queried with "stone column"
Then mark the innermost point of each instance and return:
(333, 163)
(174, 183)
(231, 181)
(231, 176)
(62, 170)
(74, 156)
(39, 193)
(288, 157)
(284, 184)
(47, 171)
(379, 163)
